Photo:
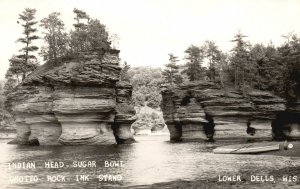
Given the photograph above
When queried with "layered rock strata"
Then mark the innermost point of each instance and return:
(202, 110)
(79, 101)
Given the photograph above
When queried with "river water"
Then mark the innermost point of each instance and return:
(152, 160)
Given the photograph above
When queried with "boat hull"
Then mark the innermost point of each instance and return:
(245, 149)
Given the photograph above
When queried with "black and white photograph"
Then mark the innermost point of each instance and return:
(149, 94)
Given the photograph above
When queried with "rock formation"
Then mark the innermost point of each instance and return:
(78, 101)
(202, 110)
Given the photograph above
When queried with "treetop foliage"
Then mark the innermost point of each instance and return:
(171, 72)
(80, 15)
(55, 36)
(245, 67)
(22, 64)
(193, 68)
(88, 35)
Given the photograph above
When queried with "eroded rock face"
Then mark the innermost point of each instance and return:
(202, 110)
(79, 101)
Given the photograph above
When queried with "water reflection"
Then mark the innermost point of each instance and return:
(152, 160)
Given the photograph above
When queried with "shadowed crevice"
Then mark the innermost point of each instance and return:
(209, 128)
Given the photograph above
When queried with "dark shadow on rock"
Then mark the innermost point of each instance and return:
(209, 128)
(115, 127)
(186, 100)
(250, 130)
(33, 142)
(125, 141)
(177, 137)
(280, 126)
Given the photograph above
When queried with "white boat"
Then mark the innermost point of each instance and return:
(246, 148)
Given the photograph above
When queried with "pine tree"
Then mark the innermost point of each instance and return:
(193, 68)
(259, 62)
(221, 67)
(171, 72)
(79, 16)
(16, 68)
(55, 37)
(290, 57)
(240, 62)
(267, 71)
(213, 54)
(80, 35)
(26, 62)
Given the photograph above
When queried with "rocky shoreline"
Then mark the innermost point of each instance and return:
(204, 110)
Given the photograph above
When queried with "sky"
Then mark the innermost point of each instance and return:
(151, 29)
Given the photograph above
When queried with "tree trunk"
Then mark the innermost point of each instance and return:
(221, 78)
(26, 55)
(236, 78)
(171, 74)
(23, 76)
(243, 81)
(211, 69)
(54, 46)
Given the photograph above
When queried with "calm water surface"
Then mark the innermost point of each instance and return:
(152, 160)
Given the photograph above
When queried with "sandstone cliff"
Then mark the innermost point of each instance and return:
(202, 110)
(79, 101)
